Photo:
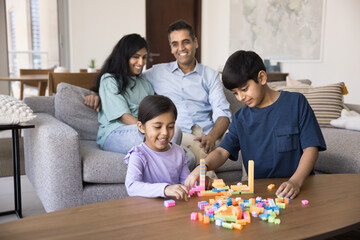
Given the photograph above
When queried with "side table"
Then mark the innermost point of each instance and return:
(16, 162)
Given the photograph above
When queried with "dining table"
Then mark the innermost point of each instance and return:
(41, 79)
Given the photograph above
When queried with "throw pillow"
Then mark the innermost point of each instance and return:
(14, 111)
(349, 120)
(70, 109)
(297, 83)
(326, 101)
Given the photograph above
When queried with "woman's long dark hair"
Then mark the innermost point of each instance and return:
(117, 63)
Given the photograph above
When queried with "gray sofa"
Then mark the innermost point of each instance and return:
(67, 168)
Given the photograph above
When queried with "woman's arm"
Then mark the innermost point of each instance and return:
(128, 119)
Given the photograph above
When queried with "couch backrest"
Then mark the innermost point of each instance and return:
(70, 109)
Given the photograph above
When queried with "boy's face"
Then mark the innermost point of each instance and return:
(252, 93)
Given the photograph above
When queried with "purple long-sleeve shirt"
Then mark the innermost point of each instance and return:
(149, 172)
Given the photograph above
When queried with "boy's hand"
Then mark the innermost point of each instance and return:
(177, 190)
(192, 178)
(208, 183)
(288, 189)
(93, 101)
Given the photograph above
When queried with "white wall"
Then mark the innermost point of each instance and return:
(341, 50)
(96, 28)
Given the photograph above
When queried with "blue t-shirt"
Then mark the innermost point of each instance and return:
(274, 136)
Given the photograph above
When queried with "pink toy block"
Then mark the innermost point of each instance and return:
(304, 202)
(169, 203)
(193, 216)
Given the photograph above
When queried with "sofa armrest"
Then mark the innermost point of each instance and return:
(41, 104)
(53, 162)
(354, 107)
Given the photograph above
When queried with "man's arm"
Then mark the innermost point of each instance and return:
(208, 141)
(214, 160)
(307, 162)
(93, 101)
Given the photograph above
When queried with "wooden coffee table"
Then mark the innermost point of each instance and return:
(333, 209)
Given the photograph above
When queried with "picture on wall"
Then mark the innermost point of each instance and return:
(286, 30)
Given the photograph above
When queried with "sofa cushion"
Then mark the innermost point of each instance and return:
(101, 166)
(326, 101)
(70, 109)
(342, 154)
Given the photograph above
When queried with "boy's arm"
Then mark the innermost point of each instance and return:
(214, 160)
(291, 188)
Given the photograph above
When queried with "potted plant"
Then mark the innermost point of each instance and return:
(91, 67)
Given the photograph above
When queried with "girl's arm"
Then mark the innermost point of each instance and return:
(134, 181)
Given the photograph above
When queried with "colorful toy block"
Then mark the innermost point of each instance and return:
(251, 175)
(304, 202)
(169, 203)
(271, 186)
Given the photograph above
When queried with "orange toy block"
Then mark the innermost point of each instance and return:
(241, 221)
(206, 219)
(218, 183)
(237, 226)
(200, 217)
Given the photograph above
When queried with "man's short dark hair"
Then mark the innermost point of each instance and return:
(240, 67)
(181, 25)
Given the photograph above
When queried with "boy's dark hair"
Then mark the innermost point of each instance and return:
(181, 25)
(117, 62)
(154, 105)
(240, 67)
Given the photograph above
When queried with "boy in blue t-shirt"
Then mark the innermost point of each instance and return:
(278, 130)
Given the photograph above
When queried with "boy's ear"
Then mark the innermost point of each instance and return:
(262, 77)
(140, 126)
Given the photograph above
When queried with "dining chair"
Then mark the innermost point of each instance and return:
(40, 85)
(84, 70)
(84, 80)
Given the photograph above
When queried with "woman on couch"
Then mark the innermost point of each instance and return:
(121, 90)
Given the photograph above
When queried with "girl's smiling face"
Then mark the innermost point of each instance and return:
(159, 131)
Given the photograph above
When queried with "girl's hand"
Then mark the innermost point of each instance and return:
(177, 190)
(288, 189)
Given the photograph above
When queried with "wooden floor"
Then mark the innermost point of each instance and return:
(31, 204)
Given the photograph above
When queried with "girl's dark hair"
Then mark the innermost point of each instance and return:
(154, 105)
(117, 63)
(240, 67)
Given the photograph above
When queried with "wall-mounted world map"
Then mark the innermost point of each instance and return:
(277, 29)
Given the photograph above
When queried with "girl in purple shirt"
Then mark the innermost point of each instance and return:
(157, 167)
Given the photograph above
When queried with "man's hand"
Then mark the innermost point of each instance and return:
(192, 178)
(93, 101)
(177, 190)
(207, 142)
(288, 189)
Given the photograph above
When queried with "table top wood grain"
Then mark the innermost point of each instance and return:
(333, 209)
(25, 78)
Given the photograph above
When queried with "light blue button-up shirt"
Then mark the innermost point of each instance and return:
(198, 95)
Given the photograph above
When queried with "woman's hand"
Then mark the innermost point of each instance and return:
(177, 190)
(93, 101)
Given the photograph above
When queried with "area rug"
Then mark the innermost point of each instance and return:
(6, 162)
